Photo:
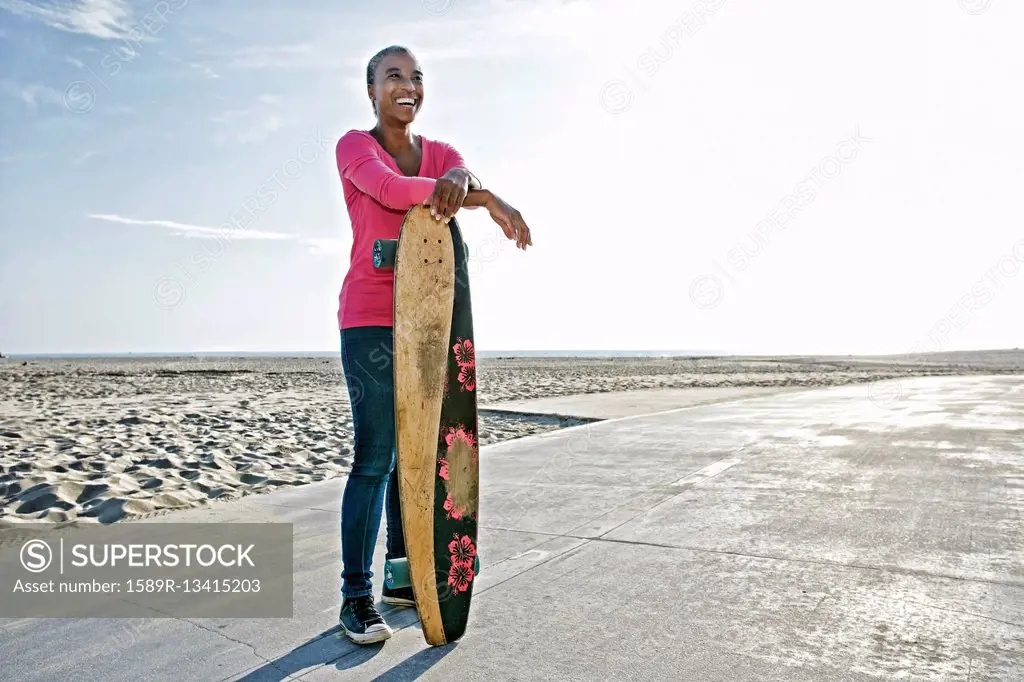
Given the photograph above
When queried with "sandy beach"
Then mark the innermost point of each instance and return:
(106, 440)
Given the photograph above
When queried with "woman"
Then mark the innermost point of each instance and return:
(385, 172)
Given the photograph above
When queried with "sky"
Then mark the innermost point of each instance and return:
(723, 175)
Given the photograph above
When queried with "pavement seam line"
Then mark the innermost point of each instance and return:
(822, 562)
(681, 487)
(586, 541)
(966, 613)
(252, 647)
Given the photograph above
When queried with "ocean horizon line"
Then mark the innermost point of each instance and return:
(493, 354)
(318, 354)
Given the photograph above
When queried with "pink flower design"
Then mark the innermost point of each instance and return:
(460, 576)
(465, 357)
(459, 434)
(462, 549)
(464, 354)
(453, 512)
(444, 468)
(467, 377)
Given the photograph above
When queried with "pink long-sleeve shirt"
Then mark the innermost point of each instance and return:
(378, 195)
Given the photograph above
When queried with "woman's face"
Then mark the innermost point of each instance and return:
(398, 88)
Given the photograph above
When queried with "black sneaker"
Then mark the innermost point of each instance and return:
(401, 596)
(362, 622)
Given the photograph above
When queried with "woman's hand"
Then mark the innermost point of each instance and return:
(449, 193)
(510, 220)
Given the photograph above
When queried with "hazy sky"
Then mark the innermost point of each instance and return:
(729, 175)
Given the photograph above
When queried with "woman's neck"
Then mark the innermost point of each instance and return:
(396, 139)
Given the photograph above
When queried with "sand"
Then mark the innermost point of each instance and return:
(107, 440)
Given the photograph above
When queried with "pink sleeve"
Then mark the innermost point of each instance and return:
(359, 163)
(452, 159)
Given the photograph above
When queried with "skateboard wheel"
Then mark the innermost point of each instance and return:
(384, 251)
(396, 574)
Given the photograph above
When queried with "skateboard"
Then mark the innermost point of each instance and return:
(435, 421)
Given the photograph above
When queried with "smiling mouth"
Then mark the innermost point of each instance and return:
(406, 102)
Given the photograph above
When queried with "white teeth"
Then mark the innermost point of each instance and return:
(406, 100)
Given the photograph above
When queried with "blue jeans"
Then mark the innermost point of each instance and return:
(366, 357)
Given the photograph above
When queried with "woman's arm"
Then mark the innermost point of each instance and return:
(477, 197)
(359, 163)
(508, 219)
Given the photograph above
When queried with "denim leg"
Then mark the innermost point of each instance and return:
(392, 502)
(396, 534)
(366, 360)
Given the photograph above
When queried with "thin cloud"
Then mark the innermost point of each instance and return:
(32, 94)
(259, 130)
(78, 161)
(205, 70)
(198, 66)
(249, 125)
(327, 246)
(271, 56)
(317, 246)
(194, 231)
(105, 19)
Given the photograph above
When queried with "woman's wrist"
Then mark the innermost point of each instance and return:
(459, 175)
(478, 197)
(464, 177)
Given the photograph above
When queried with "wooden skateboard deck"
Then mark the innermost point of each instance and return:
(435, 420)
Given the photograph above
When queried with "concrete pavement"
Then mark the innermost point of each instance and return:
(617, 404)
(855, 533)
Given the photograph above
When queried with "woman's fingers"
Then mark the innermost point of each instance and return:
(458, 196)
(522, 231)
(506, 226)
(435, 199)
(448, 197)
(527, 236)
(440, 199)
(447, 205)
(446, 200)
(455, 200)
